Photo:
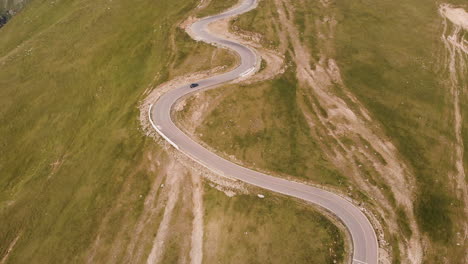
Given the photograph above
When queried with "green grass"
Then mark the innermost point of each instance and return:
(71, 153)
(246, 229)
(190, 56)
(306, 16)
(389, 60)
(177, 249)
(263, 124)
(216, 6)
(260, 20)
(389, 56)
(69, 94)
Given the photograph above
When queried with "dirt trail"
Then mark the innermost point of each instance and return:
(150, 231)
(97, 248)
(135, 250)
(196, 251)
(346, 118)
(10, 248)
(173, 183)
(455, 23)
(113, 246)
(152, 205)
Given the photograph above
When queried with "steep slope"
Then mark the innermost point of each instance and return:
(71, 152)
(365, 106)
(8, 8)
(13, 5)
(79, 181)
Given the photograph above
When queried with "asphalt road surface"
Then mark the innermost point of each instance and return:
(364, 240)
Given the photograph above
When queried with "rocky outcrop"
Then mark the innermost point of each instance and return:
(8, 8)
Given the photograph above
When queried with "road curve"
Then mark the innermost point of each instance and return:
(365, 245)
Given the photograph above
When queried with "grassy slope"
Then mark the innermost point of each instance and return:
(69, 95)
(259, 20)
(310, 236)
(389, 60)
(15, 5)
(215, 7)
(191, 56)
(71, 153)
(263, 126)
(246, 229)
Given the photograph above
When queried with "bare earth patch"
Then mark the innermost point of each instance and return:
(347, 119)
(10, 248)
(196, 251)
(173, 183)
(455, 23)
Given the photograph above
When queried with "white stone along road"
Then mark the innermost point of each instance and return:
(364, 240)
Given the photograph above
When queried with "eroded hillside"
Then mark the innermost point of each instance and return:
(82, 181)
(366, 102)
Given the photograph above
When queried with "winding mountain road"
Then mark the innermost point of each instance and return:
(364, 240)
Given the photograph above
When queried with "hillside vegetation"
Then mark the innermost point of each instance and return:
(365, 106)
(80, 182)
(394, 68)
(14, 5)
(72, 75)
(246, 229)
